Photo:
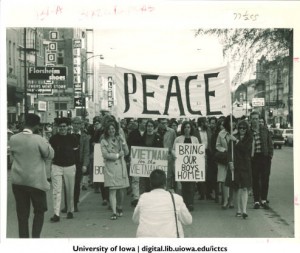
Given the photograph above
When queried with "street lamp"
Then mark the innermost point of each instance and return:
(83, 94)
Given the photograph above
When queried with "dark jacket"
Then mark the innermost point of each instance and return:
(242, 162)
(157, 141)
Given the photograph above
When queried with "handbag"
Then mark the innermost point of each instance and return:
(175, 213)
(221, 157)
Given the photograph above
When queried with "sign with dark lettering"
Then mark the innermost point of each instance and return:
(190, 162)
(110, 92)
(98, 164)
(144, 160)
(201, 93)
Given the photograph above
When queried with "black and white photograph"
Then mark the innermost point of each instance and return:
(140, 122)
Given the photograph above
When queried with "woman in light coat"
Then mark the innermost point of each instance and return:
(113, 148)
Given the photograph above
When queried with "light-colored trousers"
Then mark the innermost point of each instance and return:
(57, 174)
(135, 187)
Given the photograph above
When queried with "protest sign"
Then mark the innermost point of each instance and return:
(190, 162)
(145, 159)
(98, 168)
(201, 93)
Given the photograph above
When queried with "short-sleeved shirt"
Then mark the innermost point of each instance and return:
(64, 147)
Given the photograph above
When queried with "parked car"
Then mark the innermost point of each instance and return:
(277, 137)
(286, 133)
(290, 140)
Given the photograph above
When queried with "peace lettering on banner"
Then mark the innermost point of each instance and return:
(202, 93)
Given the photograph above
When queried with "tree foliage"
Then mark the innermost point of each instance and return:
(246, 46)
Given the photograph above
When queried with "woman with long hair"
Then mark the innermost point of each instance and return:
(188, 188)
(242, 168)
(114, 147)
(222, 145)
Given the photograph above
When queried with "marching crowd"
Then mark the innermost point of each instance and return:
(238, 154)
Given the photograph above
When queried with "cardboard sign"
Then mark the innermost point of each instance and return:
(98, 164)
(190, 162)
(145, 159)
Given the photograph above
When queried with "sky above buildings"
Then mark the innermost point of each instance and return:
(158, 50)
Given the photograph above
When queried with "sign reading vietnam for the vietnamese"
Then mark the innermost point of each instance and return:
(98, 164)
(144, 160)
(190, 162)
(194, 94)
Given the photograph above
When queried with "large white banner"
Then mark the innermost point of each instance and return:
(98, 164)
(190, 95)
(144, 160)
(190, 162)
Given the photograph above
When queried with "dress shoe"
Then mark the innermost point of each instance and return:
(64, 210)
(76, 209)
(244, 215)
(55, 218)
(83, 188)
(104, 203)
(70, 215)
(119, 212)
(265, 205)
(238, 215)
(256, 205)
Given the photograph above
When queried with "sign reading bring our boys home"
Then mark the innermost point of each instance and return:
(98, 164)
(190, 162)
(145, 159)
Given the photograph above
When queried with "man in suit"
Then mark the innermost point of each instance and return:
(135, 139)
(30, 152)
(169, 135)
(261, 161)
(82, 159)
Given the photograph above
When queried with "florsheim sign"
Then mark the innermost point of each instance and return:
(47, 73)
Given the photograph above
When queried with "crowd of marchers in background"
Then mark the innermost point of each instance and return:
(238, 154)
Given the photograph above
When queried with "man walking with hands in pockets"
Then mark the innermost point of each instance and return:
(30, 152)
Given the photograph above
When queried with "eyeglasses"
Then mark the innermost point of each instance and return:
(242, 128)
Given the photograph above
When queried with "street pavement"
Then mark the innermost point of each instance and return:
(209, 220)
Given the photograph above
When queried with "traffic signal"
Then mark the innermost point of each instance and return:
(69, 114)
(270, 113)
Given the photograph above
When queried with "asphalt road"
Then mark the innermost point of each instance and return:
(209, 220)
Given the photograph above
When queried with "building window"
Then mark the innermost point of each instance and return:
(60, 106)
(60, 57)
